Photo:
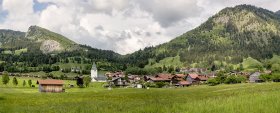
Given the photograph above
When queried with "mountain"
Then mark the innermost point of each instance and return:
(277, 12)
(241, 36)
(36, 38)
(9, 38)
(233, 34)
(39, 48)
(50, 41)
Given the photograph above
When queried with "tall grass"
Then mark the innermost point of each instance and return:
(240, 98)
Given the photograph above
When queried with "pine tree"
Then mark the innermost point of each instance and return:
(15, 81)
(29, 83)
(5, 78)
(24, 83)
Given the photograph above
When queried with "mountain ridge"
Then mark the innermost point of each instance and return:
(231, 35)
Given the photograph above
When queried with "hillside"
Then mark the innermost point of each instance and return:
(50, 41)
(277, 12)
(36, 38)
(233, 34)
(9, 38)
(42, 50)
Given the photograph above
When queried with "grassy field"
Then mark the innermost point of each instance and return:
(239, 98)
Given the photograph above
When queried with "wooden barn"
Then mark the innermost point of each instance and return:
(50, 85)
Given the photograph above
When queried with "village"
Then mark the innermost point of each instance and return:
(185, 78)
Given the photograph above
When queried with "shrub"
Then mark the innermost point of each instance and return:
(265, 77)
(149, 84)
(87, 80)
(212, 82)
(276, 77)
(160, 84)
(233, 79)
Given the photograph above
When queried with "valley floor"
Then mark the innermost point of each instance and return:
(238, 98)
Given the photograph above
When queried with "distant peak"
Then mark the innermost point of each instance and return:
(242, 7)
(277, 12)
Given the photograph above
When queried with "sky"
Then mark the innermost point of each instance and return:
(123, 26)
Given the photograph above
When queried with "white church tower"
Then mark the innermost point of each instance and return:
(93, 73)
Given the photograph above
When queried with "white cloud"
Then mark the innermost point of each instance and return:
(120, 25)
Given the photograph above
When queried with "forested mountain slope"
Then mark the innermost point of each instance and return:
(230, 36)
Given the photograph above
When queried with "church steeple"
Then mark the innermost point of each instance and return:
(93, 66)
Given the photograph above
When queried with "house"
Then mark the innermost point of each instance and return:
(134, 78)
(255, 77)
(194, 78)
(115, 74)
(159, 78)
(50, 85)
(203, 78)
(119, 81)
(178, 77)
(183, 83)
(75, 69)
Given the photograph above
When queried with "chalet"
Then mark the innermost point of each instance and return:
(134, 78)
(115, 74)
(159, 78)
(178, 77)
(255, 77)
(194, 78)
(203, 78)
(183, 83)
(50, 85)
(119, 81)
(75, 69)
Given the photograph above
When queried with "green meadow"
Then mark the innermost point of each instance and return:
(238, 98)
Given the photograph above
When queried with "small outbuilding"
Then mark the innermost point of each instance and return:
(50, 85)
(255, 77)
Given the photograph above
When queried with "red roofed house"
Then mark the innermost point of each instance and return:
(183, 83)
(196, 79)
(50, 85)
(177, 78)
(160, 78)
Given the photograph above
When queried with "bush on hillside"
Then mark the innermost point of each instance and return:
(265, 77)
(212, 82)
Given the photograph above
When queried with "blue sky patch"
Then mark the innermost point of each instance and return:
(37, 7)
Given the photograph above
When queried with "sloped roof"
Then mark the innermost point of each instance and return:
(256, 74)
(56, 82)
(193, 75)
(165, 76)
(159, 79)
(203, 77)
(184, 83)
(93, 66)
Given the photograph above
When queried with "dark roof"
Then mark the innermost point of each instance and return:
(56, 82)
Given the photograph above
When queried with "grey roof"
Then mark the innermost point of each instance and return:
(256, 74)
(93, 66)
